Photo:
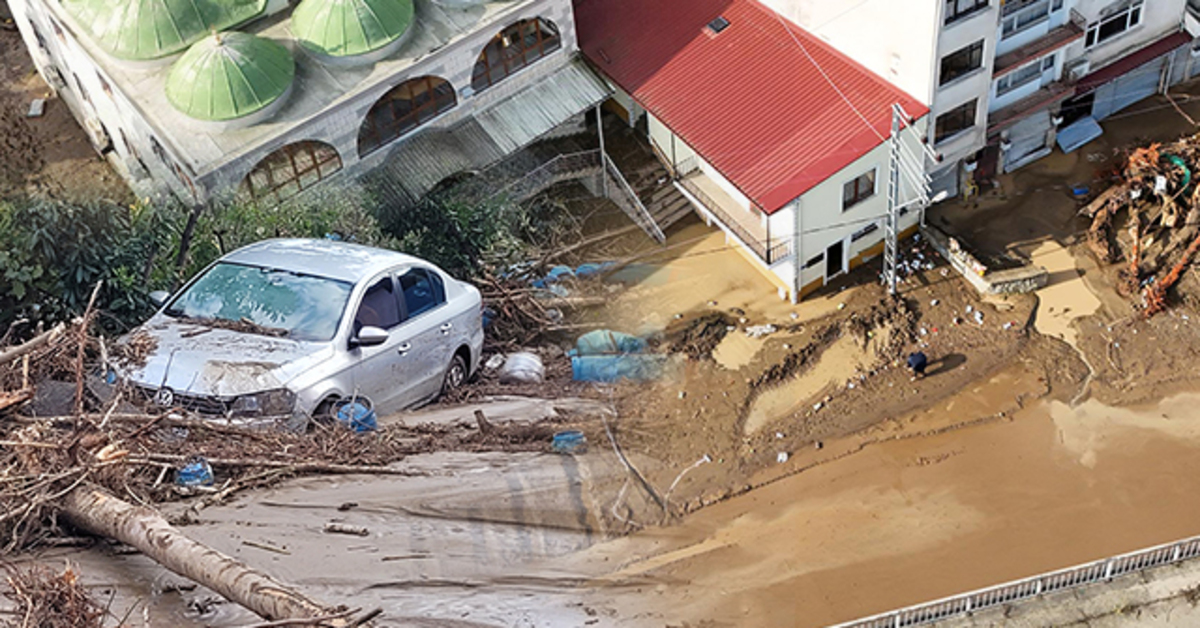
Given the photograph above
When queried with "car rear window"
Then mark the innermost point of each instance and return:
(297, 306)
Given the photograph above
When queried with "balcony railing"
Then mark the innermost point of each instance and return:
(754, 236)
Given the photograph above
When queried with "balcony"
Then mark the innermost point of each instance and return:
(1057, 38)
(1003, 118)
(746, 226)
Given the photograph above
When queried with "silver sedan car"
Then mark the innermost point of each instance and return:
(286, 328)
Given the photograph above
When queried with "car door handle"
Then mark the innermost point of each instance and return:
(446, 328)
(403, 348)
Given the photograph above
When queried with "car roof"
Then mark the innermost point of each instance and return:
(321, 258)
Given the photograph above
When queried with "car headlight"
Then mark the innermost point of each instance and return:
(275, 402)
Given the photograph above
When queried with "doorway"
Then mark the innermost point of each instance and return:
(835, 259)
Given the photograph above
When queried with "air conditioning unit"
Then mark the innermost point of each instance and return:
(1078, 69)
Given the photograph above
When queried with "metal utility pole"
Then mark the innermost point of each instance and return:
(891, 223)
(603, 155)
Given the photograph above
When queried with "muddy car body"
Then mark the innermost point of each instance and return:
(286, 328)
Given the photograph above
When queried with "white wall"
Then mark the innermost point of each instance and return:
(1033, 31)
(1159, 18)
(900, 47)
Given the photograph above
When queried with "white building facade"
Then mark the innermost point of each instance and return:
(1003, 77)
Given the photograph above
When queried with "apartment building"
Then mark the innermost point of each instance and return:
(265, 99)
(1008, 80)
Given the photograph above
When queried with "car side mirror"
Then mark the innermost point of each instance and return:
(369, 336)
(159, 297)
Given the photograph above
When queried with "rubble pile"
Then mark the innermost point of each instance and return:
(1156, 189)
(46, 599)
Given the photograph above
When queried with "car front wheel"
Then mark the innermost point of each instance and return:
(456, 374)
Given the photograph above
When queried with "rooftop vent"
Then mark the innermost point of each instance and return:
(718, 25)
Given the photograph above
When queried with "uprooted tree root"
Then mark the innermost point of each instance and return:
(42, 598)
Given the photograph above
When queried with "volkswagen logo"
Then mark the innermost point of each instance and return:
(164, 396)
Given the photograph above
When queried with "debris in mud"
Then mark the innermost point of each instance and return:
(47, 599)
(698, 337)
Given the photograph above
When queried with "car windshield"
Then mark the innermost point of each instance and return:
(265, 300)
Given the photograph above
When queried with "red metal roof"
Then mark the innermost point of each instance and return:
(747, 99)
(1131, 61)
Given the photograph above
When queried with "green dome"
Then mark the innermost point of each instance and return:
(345, 28)
(140, 30)
(229, 75)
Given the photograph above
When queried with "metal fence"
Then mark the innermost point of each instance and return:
(999, 595)
(584, 165)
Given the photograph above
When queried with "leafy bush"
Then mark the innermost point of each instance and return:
(53, 253)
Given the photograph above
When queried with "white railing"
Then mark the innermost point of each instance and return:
(999, 595)
(619, 192)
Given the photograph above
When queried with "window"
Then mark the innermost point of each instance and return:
(962, 62)
(290, 170)
(104, 84)
(858, 190)
(37, 33)
(514, 48)
(1021, 76)
(83, 93)
(959, 9)
(379, 307)
(1048, 63)
(1123, 19)
(718, 25)
(864, 232)
(423, 291)
(173, 166)
(813, 261)
(403, 109)
(955, 121)
(1018, 19)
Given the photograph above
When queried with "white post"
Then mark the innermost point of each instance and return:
(797, 257)
(603, 155)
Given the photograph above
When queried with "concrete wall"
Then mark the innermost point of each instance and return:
(1159, 18)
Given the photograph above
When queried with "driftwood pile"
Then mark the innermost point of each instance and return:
(1158, 188)
(102, 472)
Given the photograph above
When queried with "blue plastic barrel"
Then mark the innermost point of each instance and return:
(569, 442)
(610, 368)
(359, 414)
(605, 341)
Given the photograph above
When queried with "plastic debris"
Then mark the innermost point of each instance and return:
(934, 302)
(36, 108)
(494, 362)
(522, 368)
(358, 413)
(569, 442)
(758, 331)
(638, 367)
(196, 472)
(607, 342)
(781, 457)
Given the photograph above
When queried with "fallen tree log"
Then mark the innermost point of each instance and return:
(97, 511)
(37, 342)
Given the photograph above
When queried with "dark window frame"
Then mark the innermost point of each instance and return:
(323, 162)
(859, 189)
(955, 13)
(512, 50)
(1127, 19)
(964, 115)
(436, 285)
(960, 63)
(865, 231)
(403, 109)
(389, 284)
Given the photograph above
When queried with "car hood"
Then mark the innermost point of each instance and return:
(202, 360)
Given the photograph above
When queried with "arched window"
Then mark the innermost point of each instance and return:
(514, 48)
(289, 170)
(404, 108)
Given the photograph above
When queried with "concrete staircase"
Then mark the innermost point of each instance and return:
(662, 199)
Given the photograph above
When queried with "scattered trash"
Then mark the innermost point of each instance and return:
(342, 528)
(979, 317)
(818, 444)
(682, 394)
(36, 108)
(934, 302)
(494, 362)
(712, 303)
(758, 331)
(358, 413)
(817, 406)
(794, 316)
(841, 306)
(569, 442)
(197, 472)
(522, 368)
(778, 434)
(781, 457)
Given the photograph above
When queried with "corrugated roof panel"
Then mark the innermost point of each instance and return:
(754, 99)
(519, 119)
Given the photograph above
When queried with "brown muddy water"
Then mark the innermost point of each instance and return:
(902, 514)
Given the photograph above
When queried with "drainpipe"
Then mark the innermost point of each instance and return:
(797, 257)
